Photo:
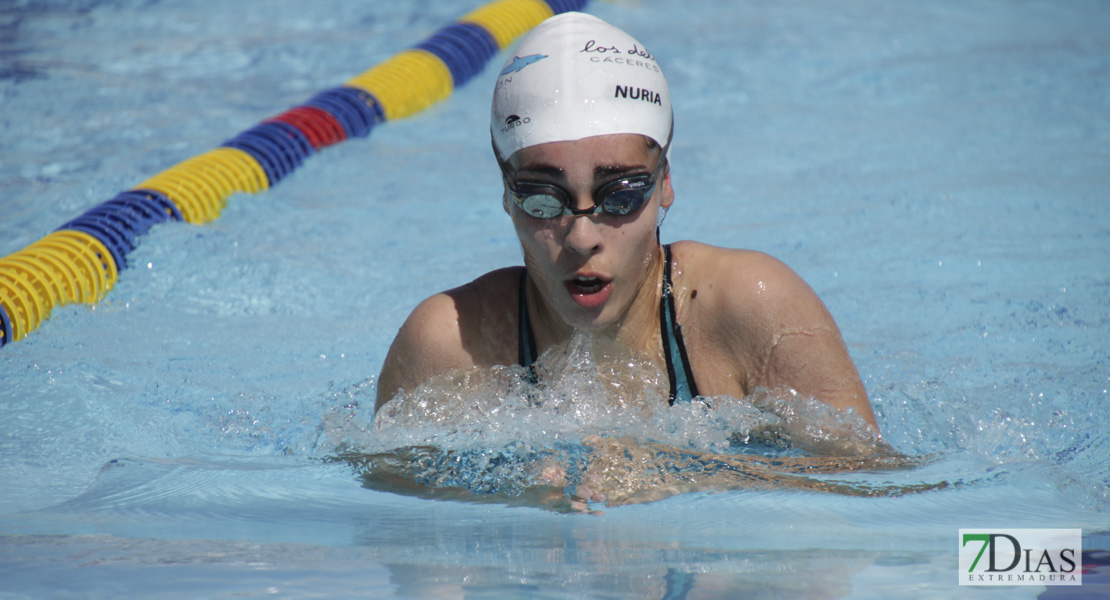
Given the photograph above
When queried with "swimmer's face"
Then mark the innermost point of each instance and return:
(590, 268)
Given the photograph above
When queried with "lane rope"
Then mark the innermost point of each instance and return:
(80, 261)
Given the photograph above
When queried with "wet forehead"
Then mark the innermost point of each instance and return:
(597, 157)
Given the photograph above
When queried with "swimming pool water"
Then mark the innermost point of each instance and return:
(937, 172)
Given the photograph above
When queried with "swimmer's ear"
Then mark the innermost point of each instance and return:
(668, 192)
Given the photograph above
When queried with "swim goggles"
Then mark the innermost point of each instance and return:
(618, 198)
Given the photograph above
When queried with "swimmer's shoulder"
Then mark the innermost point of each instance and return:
(486, 308)
(729, 273)
(756, 309)
(474, 320)
(744, 289)
(471, 325)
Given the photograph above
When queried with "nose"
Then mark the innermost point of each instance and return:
(583, 235)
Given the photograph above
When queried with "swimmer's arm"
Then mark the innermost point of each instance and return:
(429, 343)
(471, 325)
(797, 342)
(630, 471)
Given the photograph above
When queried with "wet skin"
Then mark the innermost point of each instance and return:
(748, 320)
(597, 273)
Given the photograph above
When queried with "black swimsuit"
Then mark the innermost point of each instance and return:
(674, 350)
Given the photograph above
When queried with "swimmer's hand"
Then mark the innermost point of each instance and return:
(625, 471)
(612, 477)
(619, 471)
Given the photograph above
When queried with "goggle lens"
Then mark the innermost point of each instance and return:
(627, 200)
(538, 203)
(619, 198)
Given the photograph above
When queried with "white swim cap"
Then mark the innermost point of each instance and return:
(576, 76)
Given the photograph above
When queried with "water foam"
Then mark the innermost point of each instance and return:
(492, 431)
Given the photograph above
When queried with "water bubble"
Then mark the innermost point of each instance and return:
(491, 431)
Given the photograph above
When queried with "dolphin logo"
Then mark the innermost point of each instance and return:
(521, 62)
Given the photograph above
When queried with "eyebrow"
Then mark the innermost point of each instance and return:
(600, 172)
(542, 169)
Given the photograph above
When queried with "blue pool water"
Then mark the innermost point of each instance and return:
(936, 171)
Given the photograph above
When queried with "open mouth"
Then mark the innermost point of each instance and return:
(589, 291)
(587, 285)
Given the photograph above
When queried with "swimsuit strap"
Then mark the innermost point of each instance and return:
(683, 386)
(526, 340)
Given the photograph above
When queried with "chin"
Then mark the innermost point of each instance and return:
(587, 320)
